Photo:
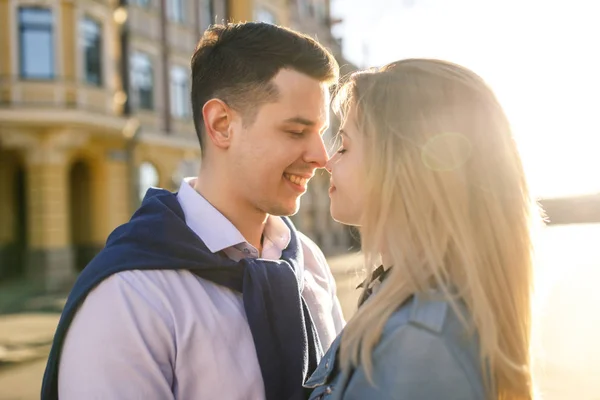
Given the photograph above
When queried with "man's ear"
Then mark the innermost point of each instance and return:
(218, 118)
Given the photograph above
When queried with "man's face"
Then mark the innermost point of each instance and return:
(273, 158)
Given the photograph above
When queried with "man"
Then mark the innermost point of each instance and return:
(208, 293)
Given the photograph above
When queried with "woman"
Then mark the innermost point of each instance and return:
(429, 171)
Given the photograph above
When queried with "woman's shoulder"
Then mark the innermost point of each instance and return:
(425, 337)
(424, 352)
(424, 311)
(430, 314)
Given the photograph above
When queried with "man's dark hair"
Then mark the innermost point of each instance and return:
(235, 63)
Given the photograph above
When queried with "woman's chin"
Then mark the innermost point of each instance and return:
(342, 216)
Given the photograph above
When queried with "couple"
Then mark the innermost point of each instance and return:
(211, 293)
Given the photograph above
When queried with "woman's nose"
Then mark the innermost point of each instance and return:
(328, 164)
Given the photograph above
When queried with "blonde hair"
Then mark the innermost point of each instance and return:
(447, 199)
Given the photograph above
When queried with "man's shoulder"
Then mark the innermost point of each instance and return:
(164, 290)
(149, 279)
(157, 295)
(146, 286)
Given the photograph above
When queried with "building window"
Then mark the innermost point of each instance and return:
(180, 93)
(261, 14)
(207, 13)
(148, 175)
(142, 81)
(91, 34)
(175, 10)
(36, 43)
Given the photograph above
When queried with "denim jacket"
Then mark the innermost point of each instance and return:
(424, 353)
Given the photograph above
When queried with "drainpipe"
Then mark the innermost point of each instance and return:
(121, 19)
(164, 27)
(131, 132)
(132, 129)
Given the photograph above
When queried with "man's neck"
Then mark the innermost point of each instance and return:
(248, 220)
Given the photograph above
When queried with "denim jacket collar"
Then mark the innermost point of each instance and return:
(327, 369)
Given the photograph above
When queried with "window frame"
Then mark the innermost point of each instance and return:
(36, 27)
(89, 19)
(140, 103)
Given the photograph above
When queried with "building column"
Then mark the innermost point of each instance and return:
(117, 192)
(6, 44)
(68, 37)
(6, 214)
(50, 260)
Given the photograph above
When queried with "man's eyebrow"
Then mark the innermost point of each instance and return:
(301, 121)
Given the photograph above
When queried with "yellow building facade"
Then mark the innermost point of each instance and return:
(94, 108)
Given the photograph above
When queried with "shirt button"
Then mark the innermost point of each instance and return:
(246, 251)
(328, 390)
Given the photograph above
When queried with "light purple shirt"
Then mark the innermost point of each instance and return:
(172, 335)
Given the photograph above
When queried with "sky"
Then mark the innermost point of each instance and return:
(542, 58)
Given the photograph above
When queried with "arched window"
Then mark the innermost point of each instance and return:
(180, 92)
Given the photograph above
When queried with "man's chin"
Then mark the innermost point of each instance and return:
(285, 210)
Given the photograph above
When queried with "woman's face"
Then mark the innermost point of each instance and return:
(346, 167)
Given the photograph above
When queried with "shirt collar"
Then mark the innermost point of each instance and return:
(212, 227)
(215, 230)
(277, 237)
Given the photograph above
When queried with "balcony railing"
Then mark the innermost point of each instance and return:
(56, 93)
(63, 94)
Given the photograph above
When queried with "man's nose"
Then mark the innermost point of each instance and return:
(317, 153)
